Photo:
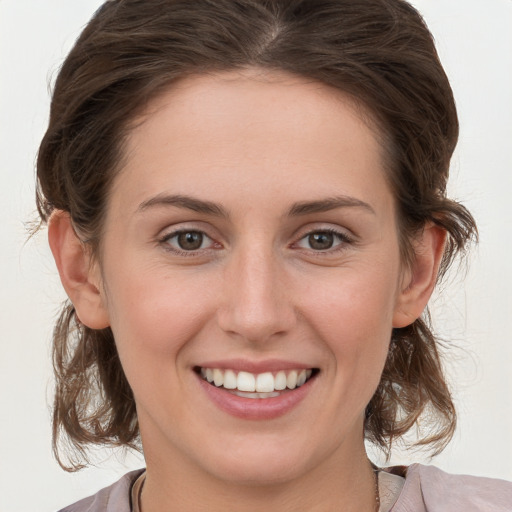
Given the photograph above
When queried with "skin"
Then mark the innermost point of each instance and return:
(254, 144)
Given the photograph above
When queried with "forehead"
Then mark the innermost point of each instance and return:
(254, 126)
(255, 95)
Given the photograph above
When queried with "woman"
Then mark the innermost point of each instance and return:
(246, 203)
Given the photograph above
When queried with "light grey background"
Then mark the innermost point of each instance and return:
(475, 42)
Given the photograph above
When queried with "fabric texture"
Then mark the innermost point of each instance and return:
(115, 498)
(390, 488)
(426, 489)
(136, 492)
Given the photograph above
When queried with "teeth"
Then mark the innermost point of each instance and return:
(256, 395)
(301, 378)
(218, 377)
(230, 379)
(280, 381)
(291, 380)
(262, 385)
(246, 382)
(265, 383)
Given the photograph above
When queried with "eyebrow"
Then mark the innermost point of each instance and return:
(324, 205)
(186, 202)
(210, 208)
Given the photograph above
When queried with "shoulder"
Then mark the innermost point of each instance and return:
(115, 498)
(428, 489)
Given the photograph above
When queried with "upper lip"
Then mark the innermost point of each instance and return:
(245, 365)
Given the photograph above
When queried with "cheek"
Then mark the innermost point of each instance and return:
(154, 315)
(153, 319)
(353, 314)
(360, 298)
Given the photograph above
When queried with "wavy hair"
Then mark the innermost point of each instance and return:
(379, 52)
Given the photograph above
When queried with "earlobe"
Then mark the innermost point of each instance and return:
(80, 277)
(421, 277)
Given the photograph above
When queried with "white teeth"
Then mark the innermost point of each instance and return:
(265, 383)
(262, 385)
(230, 379)
(218, 377)
(256, 395)
(291, 380)
(280, 381)
(246, 381)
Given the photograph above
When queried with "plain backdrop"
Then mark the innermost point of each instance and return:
(473, 311)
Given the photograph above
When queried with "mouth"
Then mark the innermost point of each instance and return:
(256, 385)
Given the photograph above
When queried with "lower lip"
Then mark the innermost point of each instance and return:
(256, 408)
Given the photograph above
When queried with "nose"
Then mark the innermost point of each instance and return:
(256, 305)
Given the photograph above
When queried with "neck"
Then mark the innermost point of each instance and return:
(338, 483)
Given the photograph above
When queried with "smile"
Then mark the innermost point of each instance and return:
(260, 385)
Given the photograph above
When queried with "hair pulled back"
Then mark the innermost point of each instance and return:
(379, 52)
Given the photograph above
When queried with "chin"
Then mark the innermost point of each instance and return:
(260, 463)
(261, 472)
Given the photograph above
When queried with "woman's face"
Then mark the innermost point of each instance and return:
(251, 238)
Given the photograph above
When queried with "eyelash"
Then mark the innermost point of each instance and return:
(342, 237)
(165, 242)
(343, 241)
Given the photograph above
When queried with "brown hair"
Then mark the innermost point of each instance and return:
(378, 51)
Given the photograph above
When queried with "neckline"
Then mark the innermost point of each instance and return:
(390, 483)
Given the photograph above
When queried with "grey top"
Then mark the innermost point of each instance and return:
(426, 489)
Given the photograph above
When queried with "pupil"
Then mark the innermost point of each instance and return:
(190, 241)
(321, 241)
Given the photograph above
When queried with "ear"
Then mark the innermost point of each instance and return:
(80, 276)
(420, 278)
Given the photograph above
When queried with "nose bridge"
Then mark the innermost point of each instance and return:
(256, 304)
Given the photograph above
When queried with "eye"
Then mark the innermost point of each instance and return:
(187, 241)
(322, 240)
